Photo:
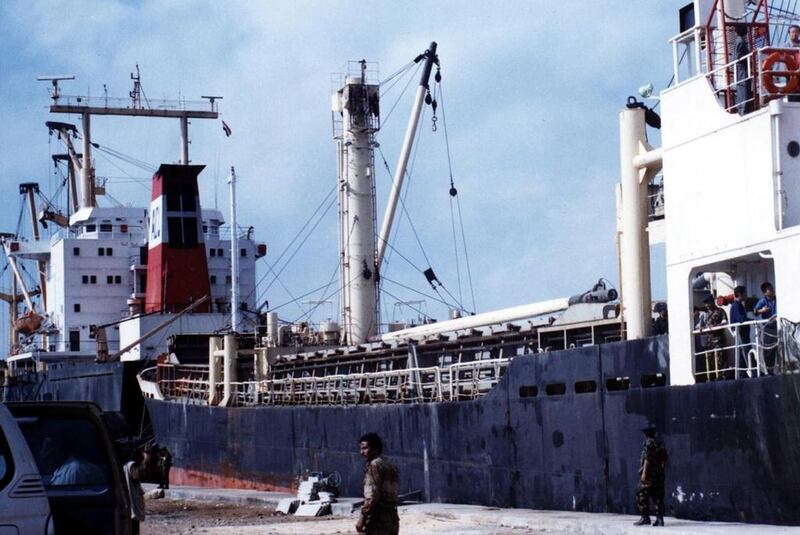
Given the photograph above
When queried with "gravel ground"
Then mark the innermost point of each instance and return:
(173, 517)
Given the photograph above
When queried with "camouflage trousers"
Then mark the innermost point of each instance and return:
(652, 490)
(383, 521)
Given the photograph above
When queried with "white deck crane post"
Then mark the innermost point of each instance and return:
(639, 163)
(358, 103)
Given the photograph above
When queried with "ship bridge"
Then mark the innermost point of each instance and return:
(731, 162)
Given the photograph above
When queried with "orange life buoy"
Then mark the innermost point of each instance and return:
(768, 76)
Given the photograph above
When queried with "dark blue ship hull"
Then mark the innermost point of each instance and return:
(560, 431)
(112, 386)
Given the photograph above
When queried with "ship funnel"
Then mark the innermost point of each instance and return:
(177, 270)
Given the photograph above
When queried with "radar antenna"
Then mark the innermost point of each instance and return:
(55, 92)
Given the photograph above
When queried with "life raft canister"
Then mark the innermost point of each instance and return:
(768, 76)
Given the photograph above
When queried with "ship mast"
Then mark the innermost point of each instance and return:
(234, 256)
(358, 102)
(135, 107)
(360, 256)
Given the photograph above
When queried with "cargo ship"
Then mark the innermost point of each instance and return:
(541, 405)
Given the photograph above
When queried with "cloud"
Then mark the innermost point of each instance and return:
(532, 93)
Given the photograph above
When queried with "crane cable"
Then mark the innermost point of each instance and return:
(454, 194)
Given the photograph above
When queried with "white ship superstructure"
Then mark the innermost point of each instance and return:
(94, 267)
(731, 164)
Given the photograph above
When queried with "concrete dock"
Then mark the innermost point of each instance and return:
(452, 519)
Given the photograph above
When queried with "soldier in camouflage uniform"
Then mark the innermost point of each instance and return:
(379, 513)
(651, 480)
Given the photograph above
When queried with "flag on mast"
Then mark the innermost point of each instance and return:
(226, 129)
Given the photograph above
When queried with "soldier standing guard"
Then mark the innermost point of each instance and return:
(379, 513)
(651, 480)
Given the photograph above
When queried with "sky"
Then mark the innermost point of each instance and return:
(532, 92)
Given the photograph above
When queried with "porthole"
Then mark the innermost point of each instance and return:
(793, 148)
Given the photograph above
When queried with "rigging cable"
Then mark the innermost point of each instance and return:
(440, 299)
(410, 288)
(296, 299)
(286, 249)
(404, 210)
(323, 297)
(409, 172)
(403, 92)
(124, 157)
(396, 73)
(302, 242)
(418, 311)
(454, 193)
(19, 217)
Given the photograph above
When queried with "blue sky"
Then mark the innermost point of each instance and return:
(533, 91)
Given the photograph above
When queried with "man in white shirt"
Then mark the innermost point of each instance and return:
(794, 36)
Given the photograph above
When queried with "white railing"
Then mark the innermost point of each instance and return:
(464, 381)
(743, 85)
(148, 104)
(734, 86)
(687, 58)
(724, 351)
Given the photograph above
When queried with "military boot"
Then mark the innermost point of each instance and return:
(659, 521)
(644, 521)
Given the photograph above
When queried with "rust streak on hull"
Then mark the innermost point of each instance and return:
(181, 476)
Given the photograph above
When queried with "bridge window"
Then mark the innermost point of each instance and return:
(528, 391)
(556, 389)
(585, 387)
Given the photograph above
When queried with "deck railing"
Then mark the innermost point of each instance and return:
(748, 349)
(463, 381)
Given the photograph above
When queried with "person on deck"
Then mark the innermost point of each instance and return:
(381, 479)
(713, 316)
(767, 309)
(744, 82)
(739, 315)
(661, 325)
(794, 37)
